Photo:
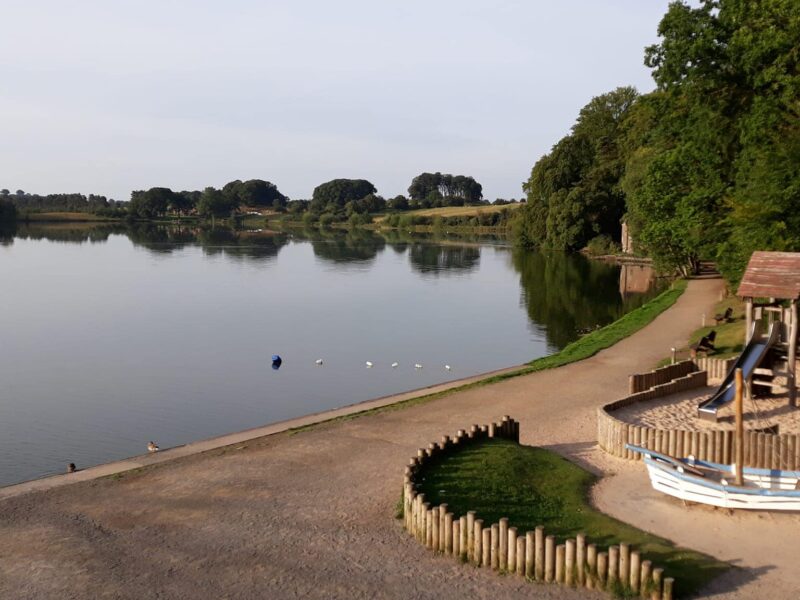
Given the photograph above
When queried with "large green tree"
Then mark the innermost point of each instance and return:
(333, 195)
(573, 192)
(718, 175)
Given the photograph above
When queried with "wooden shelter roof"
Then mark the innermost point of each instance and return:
(772, 275)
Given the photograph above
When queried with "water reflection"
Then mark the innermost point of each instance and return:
(564, 295)
(570, 294)
(444, 259)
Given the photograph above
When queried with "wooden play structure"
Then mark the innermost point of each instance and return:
(770, 282)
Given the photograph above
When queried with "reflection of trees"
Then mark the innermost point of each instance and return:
(70, 233)
(164, 239)
(356, 245)
(567, 293)
(433, 258)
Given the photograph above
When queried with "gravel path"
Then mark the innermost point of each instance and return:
(309, 515)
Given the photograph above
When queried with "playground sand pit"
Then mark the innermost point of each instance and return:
(679, 411)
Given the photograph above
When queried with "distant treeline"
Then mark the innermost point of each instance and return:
(707, 166)
(338, 200)
(24, 202)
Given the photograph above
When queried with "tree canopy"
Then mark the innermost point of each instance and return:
(573, 193)
(705, 166)
(335, 194)
(442, 189)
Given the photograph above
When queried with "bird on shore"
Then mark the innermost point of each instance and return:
(369, 365)
(318, 361)
(395, 365)
(152, 446)
(417, 366)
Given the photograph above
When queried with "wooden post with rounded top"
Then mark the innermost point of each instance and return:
(569, 563)
(530, 552)
(645, 575)
(549, 558)
(495, 546)
(511, 543)
(447, 547)
(470, 531)
(655, 591)
(462, 536)
(591, 565)
(502, 556)
(666, 594)
(580, 558)
(486, 542)
(624, 563)
(613, 564)
(602, 570)
(521, 554)
(538, 553)
(560, 560)
(477, 541)
(455, 537)
(636, 571)
(442, 528)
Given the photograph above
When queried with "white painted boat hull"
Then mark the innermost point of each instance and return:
(763, 489)
(692, 491)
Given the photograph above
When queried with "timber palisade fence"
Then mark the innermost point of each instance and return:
(531, 554)
(762, 449)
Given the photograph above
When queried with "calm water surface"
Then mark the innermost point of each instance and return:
(112, 337)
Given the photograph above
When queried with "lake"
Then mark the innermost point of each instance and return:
(113, 336)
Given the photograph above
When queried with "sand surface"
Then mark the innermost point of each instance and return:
(679, 411)
(310, 515)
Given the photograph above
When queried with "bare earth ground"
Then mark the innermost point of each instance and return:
(310, 515)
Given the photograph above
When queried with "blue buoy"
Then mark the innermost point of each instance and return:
(276, 362)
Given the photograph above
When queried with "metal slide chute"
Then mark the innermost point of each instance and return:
(748, 362)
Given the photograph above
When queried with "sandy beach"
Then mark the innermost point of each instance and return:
(310, 514)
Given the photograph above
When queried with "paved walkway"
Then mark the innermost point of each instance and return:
(308, 515)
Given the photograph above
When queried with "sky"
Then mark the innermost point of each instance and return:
(108, 97)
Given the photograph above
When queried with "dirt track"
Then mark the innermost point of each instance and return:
(310, 515)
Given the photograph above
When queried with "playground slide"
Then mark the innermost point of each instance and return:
(748, 361)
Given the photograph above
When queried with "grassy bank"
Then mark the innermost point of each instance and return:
(585, 347)
(532, 486)
(456, 211)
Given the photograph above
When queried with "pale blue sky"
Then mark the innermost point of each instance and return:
(110, 96)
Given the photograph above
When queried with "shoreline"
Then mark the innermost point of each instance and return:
(139, 461)
(581, 349)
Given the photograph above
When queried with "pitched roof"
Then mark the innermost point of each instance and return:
(772, 275)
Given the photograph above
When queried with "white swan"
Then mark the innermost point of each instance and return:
(395, 365)
(318, 361)
(417, 366)
(369, 365)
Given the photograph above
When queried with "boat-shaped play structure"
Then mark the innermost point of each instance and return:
(769, 361)
(726, 486)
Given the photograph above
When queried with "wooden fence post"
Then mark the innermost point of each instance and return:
(603, 570)
(521, 555)
(477, 542)
(560, 560)
(530, 553)
(549, 558)
(569, 563)
(580, 558)
(503, 549)
(636, 571)
(538, 561)
(591, 565)
(511, 544)
(495, 547)
(486, 543)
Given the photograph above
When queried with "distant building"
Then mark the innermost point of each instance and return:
(627, 239)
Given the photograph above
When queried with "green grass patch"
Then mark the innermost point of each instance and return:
(585, 347)
(532, 486)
